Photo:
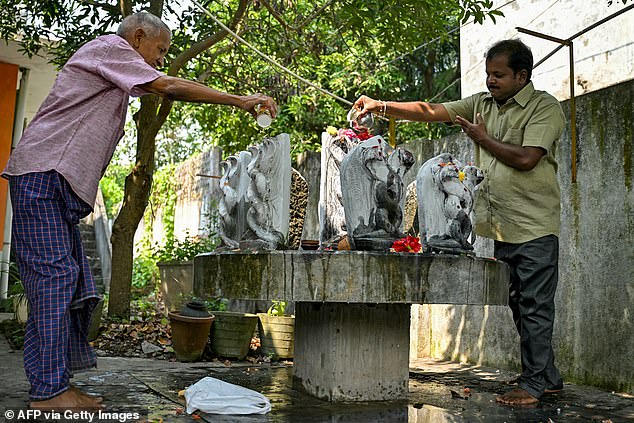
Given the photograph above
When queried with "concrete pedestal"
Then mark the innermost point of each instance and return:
(352, 308)
(352, 352)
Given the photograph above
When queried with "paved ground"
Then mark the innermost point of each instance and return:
(150, 387)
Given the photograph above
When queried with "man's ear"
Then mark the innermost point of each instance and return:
(523, 77)
(137, 36)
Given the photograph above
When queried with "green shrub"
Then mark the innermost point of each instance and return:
(183, 250)
(144, 273)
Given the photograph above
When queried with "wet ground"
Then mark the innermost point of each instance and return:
(437, 394)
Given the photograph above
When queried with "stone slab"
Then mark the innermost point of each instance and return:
(352, 277)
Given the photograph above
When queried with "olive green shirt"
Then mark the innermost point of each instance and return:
(513, 205)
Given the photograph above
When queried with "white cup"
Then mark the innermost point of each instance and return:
(263, 117)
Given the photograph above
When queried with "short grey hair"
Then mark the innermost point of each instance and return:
(151, 24)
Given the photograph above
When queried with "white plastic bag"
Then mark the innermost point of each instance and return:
(214, 396)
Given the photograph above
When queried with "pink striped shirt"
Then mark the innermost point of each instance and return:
(77, 128)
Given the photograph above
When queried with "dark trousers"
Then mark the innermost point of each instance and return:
(534, 277)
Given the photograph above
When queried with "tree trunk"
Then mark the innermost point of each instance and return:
(138, 186)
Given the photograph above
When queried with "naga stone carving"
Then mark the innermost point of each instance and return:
(372, 193)
(232, 208)
(256, 185)
(332, 220)
(446, 191)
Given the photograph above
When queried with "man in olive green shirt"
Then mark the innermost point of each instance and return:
(514, 129)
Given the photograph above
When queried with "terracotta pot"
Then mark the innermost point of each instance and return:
(189, 335)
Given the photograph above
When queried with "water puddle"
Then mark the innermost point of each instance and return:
(434, 398)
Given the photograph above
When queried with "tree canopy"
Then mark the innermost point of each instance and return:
(347, 47)
(388, 49)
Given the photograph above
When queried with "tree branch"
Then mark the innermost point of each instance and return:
(275, 14)
(125, 7)
(105, 6)
(203, 45)
(313, 15)
(156, 7)
(208, 71)
(278, 17)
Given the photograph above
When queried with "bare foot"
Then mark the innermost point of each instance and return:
(517, 396)
(73, 399)
(80, 392)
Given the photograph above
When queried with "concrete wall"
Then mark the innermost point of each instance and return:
(604, 56)
(197, 193)
(594, 328)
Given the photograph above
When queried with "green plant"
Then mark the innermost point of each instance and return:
(183, 250)
(16, 293)
(277, 308)
(16, 289)
(144, 274)
(216, 304)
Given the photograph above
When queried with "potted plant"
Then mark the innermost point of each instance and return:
(277, 331)
(176, 267)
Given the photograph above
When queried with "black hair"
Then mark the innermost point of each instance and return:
(518, 54)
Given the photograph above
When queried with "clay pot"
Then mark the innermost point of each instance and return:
(344, 244)
(189, 335)
(231, 333)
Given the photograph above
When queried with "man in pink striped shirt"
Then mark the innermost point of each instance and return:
(54, 174)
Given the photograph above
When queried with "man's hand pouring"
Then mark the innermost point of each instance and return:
(365, 104)
(249, 103)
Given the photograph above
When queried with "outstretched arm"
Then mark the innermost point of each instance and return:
(413, 110)
(175, 88)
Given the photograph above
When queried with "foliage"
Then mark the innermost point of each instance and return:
(183, 250)
(144, 273)
(112, 187)
(16, 287)
(278, 308)
(216, 304)
(163, 198)
(13, 332)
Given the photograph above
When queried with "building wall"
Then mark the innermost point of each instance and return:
(592, 339)
(30, 82)
(603, 56)
(41, 75)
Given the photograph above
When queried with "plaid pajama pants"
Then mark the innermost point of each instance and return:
(57, 278)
